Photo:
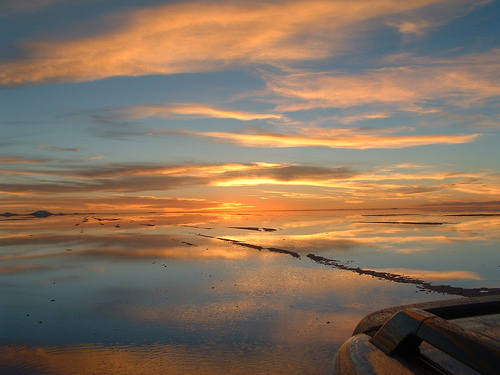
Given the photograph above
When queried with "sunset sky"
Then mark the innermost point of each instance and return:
(248, 105)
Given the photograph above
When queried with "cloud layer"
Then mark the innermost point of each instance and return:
(409, 85)
(198, 186)
(205, 36)
(360, 139)
(190, 111)
(328, 76)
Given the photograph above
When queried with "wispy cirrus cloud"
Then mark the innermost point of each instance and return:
(462, 83)
(57, 148)
(21, 160)
(191, 110)
(348, 138)
(206, 36)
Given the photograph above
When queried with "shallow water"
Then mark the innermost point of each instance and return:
(270, 293)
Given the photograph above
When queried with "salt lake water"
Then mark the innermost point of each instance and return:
(223, 293)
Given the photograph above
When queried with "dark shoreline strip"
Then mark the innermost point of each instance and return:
(283, 251)
(246, 228)
(473, 215)
(255, 229)
(260, 248)
(384, 215)
(404, 222)
(445, 289)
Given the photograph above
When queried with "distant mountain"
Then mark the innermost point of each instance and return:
(41, 213)
(8, 214)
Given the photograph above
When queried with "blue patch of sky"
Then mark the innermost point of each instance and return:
(73, 19)
(476, 31)
(361, 54)
(64, 103)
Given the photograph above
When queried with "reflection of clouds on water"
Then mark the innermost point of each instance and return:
(482, 228)
(434, 275)
(196, 236)
(265, 299)
(19, 269)
(194, 284)
(215, 357)
(43, 239)
(406, 279)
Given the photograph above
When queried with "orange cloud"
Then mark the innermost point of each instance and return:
(205, 36)
(56, 148)
(476, 186)
(107, 202)
(139, 186)
(20, 160)
(141, 169)
(334, 138)
(466, 81)
(191, 110)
